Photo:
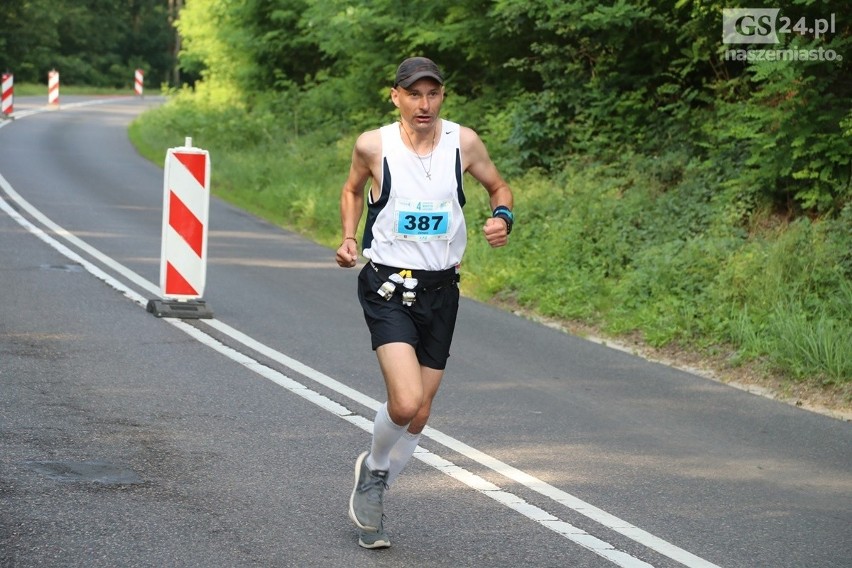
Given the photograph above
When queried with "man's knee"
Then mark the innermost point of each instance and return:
(402, 411)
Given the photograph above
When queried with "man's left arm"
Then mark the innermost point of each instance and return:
(480, 166)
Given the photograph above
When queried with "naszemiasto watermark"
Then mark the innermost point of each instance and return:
(763, 26)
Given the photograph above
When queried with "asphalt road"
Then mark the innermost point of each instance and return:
(131, 440)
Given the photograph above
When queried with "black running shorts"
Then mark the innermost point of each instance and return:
(427, 324)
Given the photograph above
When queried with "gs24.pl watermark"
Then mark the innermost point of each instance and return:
(764, 25)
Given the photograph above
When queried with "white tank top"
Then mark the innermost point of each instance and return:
(417, 222)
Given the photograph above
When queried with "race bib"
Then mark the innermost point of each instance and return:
(422, 220)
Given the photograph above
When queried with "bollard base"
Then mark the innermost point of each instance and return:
(188, 309)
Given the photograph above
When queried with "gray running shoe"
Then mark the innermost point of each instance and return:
(365, 503)
(377, 539)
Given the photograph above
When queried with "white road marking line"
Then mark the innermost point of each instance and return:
(569, 531)
(600, 516)
(39, 110)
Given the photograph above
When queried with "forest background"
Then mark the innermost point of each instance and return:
(668, 194)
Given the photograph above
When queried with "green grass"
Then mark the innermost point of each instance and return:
(610, 245)
(805, 346)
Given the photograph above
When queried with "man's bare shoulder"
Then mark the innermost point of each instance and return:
(466, 132)
(472, 147)
(369, 143)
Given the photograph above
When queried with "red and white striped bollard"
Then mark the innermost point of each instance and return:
(53, 87)
(139, 79)
(7, 94)
(183, 257)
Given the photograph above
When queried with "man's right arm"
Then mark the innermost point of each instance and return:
(352, 197)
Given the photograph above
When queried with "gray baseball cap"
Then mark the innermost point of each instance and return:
(415, 68)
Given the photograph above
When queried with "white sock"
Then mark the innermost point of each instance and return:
(401, 453)
(385, 435)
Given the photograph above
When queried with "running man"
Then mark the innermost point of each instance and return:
(414, 240)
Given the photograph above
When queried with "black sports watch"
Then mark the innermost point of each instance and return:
(506, 214)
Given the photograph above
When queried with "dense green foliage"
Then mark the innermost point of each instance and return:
(548, 81)
(90, 42)
(662, 187)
